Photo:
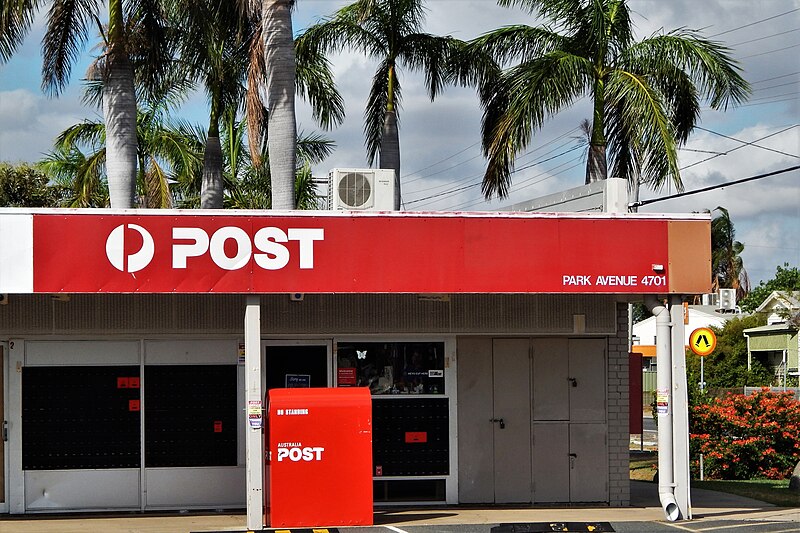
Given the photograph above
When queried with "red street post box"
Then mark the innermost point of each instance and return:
(318, 457)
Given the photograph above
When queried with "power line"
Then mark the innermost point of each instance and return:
(713, 187)
(744, 143)
(754, 23)
(768, 102)
(776, 86)
(753, 143)
(771, 51)
(775, 77)
(765, 37)
(459, 189)
(773, 96)
(442, 161)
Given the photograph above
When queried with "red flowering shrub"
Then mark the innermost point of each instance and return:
(745, 437)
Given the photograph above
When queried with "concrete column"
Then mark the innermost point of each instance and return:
(254, 440)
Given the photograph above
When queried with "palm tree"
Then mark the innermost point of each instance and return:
(247, 185)
(280, 80)
(81, 176)
(727, 267)
(131, 26)
(223, 47)
(645, 94)
(214, 42)
(388, 30)
(165, 155)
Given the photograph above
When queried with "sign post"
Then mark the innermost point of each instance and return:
(702, 341)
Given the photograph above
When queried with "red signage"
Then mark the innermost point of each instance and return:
(346, 377)
(350, 253)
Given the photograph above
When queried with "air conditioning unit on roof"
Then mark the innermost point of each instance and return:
(727, 300)
(356, 189)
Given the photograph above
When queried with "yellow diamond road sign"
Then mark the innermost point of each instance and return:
(702, 341)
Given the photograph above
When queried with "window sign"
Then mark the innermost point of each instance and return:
(298, 381)
(392, 367)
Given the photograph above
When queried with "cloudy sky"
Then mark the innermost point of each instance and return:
(441, 161)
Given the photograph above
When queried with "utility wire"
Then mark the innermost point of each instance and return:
(753, 143)
(775, 77)
(773, 96)
(776, 86)
(744, 143)
(712, 187)
(459, 189)
(766, 37)
(771, 51)
(768, 102)
(754, 23)
(442, 161)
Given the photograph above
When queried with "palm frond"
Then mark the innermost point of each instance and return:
(316, 83)
(707, 63)
(430, 55)
(640, 110)
(375, 111)
(525, 96)
(16, 17)
(67, 30)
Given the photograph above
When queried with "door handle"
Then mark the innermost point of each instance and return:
(573, 381)
(501, 421)
(572, 458)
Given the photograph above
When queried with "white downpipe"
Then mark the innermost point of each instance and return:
(666, 473)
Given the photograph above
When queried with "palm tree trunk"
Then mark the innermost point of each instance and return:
(596, 166)
(390, 152)
(281, 126)
(119, 109)
(211, 187)
(211, 192)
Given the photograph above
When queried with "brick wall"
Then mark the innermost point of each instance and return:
(619, 492)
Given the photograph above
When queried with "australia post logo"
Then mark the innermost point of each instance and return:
(296, 452)
(229, 247)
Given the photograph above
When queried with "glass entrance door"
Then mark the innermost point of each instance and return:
(297, 364)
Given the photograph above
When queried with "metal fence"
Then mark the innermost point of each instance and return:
(649, 387)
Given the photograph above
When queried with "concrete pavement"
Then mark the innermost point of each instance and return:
(708, 507)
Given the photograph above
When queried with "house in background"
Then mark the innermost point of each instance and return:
(699, 316)
(776, 344)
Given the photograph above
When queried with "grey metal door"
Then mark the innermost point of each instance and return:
(588, 473)
(551, 462)
(512, 421)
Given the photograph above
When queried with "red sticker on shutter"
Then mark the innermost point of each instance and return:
(133, 405)
(123, 383)
(416, 436)
(217, 426)
(133, 383)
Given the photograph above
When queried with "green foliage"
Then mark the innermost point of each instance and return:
(744, 437)
(727, 267)
(786, 279)
(726, 366)
(646, 94)
(26, 186)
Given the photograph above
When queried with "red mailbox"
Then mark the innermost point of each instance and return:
(318, 468)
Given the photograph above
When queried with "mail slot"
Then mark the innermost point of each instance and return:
(318, 457)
